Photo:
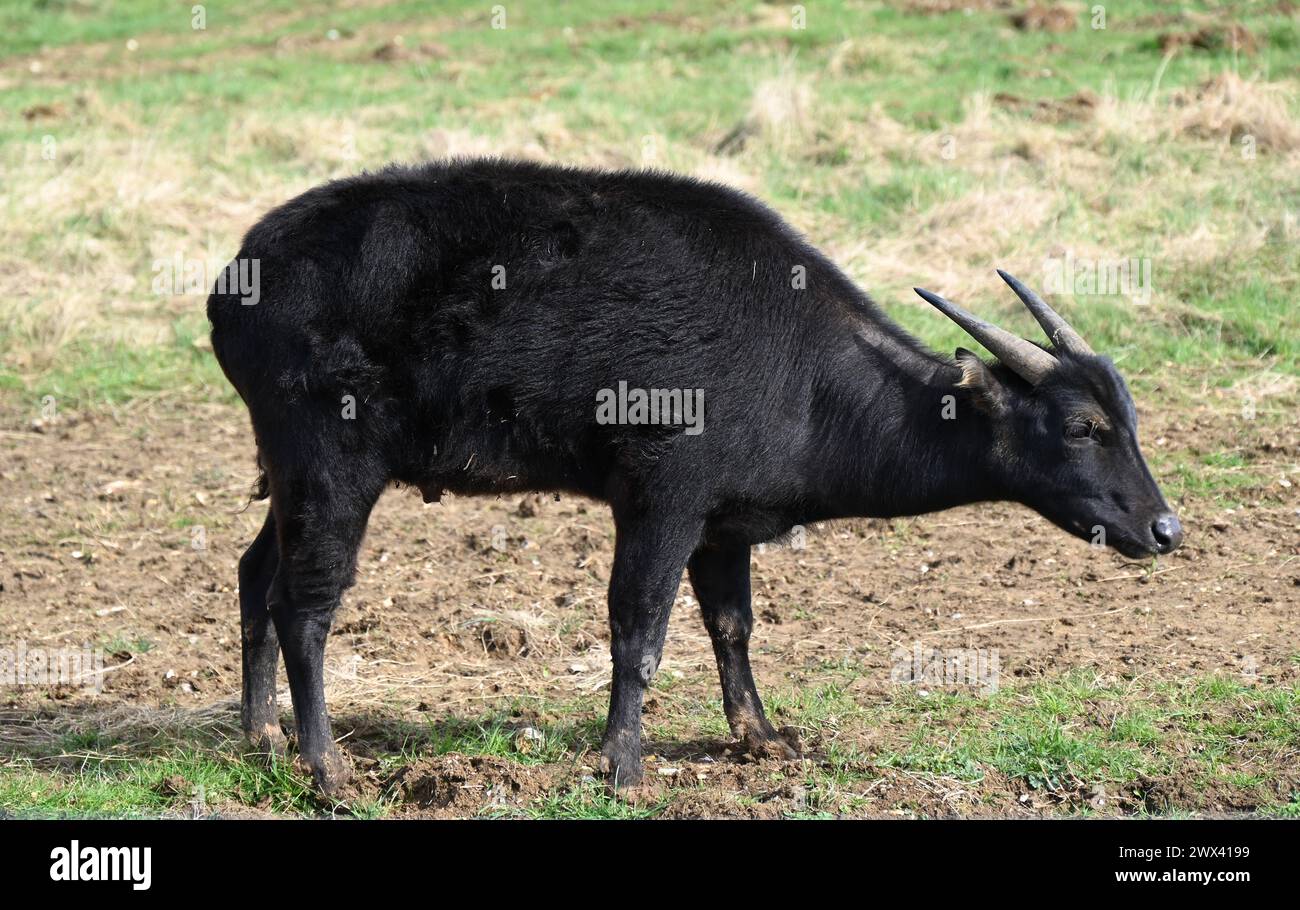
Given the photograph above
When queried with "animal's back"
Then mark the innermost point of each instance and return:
(479, 305)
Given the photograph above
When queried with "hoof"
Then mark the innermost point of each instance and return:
(330, 772)
(267, 741)
(782, 745)
(622, 773)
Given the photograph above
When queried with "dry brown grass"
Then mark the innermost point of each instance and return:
(85, 229)
(1031, 177)
(1232, 109)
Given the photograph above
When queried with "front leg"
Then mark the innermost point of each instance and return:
(720, 577)
(650, 554)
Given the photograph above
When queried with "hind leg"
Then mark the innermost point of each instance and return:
(650, 552)
(720, 577)
(320, 516)
(259, 716)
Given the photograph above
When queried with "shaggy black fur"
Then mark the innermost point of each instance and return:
(450, 326)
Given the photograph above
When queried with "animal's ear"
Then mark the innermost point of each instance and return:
(986, 389)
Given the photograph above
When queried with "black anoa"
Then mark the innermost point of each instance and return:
(454, 326)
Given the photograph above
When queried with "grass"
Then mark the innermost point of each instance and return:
(93, 373)
(875, 129)
(914, 148)
(180, 780)
(1065, 739)
(497, 734)
(587, 800)
(1078, 733)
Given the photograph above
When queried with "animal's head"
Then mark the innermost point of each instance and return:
(1064, 431)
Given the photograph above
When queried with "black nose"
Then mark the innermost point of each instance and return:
(1167, 532)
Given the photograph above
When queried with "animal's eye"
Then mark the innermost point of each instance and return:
(1081, 429)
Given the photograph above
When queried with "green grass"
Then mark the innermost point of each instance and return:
(1065, 737)
(681, 70)
(96, 373)
(131, 645)
(588, 800)
(500, 735)
(1050, 735)
(147, 786)
(1286, 810)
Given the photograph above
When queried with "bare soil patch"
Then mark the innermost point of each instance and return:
(122, 529)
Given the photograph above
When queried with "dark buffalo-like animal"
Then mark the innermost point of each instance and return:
(670, 347)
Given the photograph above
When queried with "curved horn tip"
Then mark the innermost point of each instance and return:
(1032, 363)
(951, 310)
(1010, 279)
(932, 298)
(1060, 332)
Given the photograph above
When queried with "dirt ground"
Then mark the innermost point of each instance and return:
(123, 528)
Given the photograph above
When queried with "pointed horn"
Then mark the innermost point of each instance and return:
(1029, 361)
(1057, 329)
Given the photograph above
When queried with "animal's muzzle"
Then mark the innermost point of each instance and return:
(1168, 533)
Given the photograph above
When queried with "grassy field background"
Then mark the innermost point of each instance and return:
(917, 143)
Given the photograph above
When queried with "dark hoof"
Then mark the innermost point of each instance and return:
(782, 745)
(267, 741)
(330, 772)
(622, 773)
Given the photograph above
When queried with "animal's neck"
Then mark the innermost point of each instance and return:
(898, 438)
